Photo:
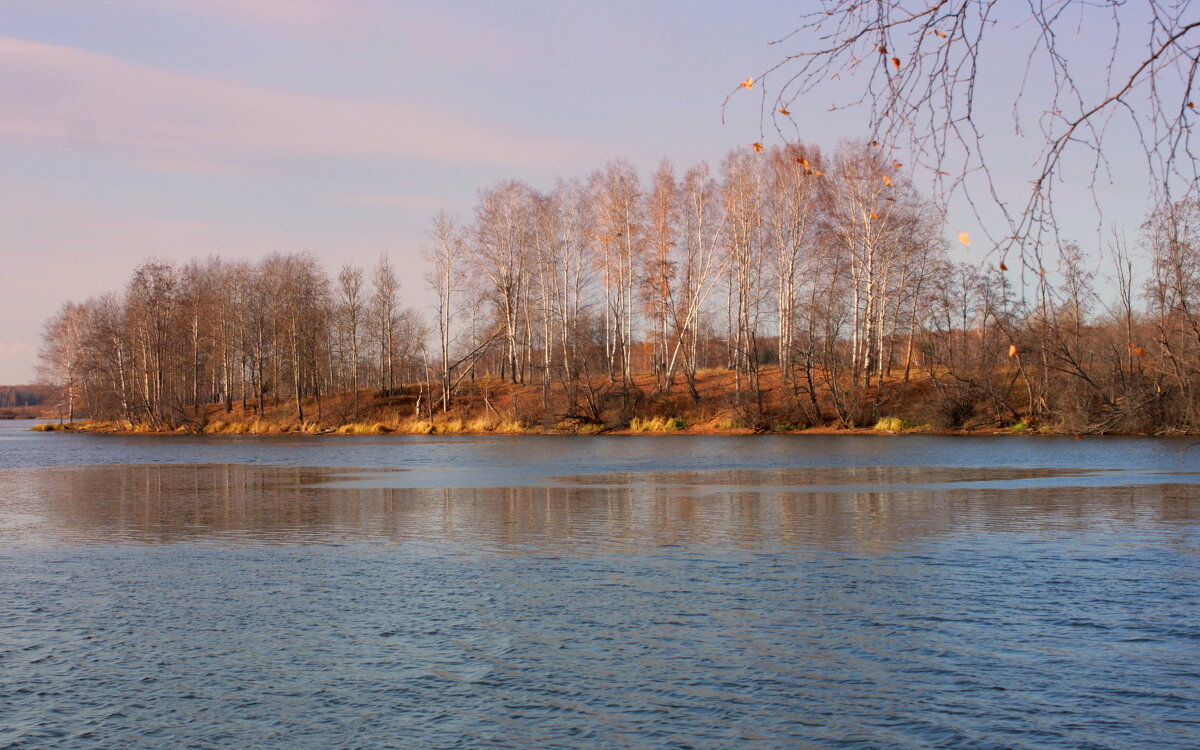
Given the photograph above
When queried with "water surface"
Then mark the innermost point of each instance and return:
(675, 591)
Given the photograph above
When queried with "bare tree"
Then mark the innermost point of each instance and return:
(353, 304)
(385, 308)
(918, 66)
(444, 277)
(618, 240)
(61, 361)
(502, 245)
(662, 235)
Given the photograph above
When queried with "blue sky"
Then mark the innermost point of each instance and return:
(181, 128)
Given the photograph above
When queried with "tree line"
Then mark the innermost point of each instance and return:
(820, 283)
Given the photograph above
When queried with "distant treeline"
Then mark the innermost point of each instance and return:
(23, 395)
(832, 269)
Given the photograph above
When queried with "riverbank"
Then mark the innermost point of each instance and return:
(720, 404)
(484, 427)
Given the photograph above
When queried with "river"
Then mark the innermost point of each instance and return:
(606, 591)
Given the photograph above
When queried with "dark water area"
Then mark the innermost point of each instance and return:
(633, 591)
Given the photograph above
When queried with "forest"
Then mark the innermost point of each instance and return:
(786, 288)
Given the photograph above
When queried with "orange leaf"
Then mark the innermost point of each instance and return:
(874, 215)
(748, 83)
(964, 238)
(875, 144)
(887, 180)
(942, 34)
(804, 162)
(784, 111)
(897, 164)
(818, 172)
(896, 62)
(756, 146)
(1003, 267)
(882, 50)
(1137, 350)
(1192, 105)
(1012, 350)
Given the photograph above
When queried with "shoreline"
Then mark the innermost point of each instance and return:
(427, 429)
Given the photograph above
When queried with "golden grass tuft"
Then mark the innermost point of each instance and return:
(656, 424)
(418, 427)
(509, 426)
(891, 424)
(481, 424)
(362, 428)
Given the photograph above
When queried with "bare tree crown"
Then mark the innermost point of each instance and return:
(1091, 72)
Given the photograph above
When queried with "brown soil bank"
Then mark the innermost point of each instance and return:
(721, 405)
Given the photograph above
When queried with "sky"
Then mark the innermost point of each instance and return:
(183, 128)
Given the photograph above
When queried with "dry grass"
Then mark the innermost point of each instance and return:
(88, 425)
(656, 424)
(892, 424)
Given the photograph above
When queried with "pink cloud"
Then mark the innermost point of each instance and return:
(428, 203)
(461, 42)
(15, 349)
(17, 360)
(301, 13)
(64, 95)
